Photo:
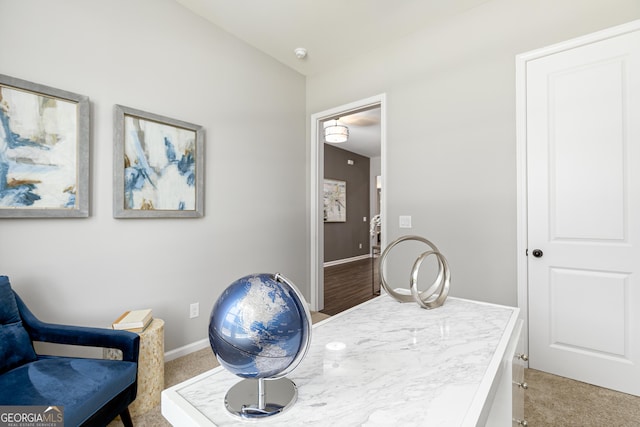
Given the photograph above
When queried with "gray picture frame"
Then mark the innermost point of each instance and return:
(31, 196)
(335, 200)
(124, 167)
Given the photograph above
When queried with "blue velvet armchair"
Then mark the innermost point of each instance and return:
(91, 392)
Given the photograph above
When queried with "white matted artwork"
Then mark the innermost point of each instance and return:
(158, 166)
(335, 200)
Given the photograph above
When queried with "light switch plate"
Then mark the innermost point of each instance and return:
(405, 221)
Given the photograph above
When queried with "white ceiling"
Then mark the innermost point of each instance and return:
(332, 31)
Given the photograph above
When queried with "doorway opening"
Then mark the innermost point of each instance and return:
(358, 116)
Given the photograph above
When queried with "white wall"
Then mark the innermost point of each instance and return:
(451, 149)
(156, 56)
(451, 153)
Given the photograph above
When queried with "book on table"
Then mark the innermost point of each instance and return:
(134, 320)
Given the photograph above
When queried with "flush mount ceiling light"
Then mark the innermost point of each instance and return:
(335, 132)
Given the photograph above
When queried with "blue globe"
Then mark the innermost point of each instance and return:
(260, 327)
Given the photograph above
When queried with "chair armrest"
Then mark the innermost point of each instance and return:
(127, 342)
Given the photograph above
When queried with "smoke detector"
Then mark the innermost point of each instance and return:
(300, 52)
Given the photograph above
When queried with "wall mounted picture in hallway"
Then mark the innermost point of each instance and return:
(158, 166)
(335, 201)
(44, 151)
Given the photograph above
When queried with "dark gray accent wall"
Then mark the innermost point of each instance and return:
(343, 239)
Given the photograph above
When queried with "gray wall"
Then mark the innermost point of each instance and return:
(450, 149)
(156, 56)
(342, 240)
(451, 153)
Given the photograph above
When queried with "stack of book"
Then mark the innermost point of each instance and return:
(134, 321)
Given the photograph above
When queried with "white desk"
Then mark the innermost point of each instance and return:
(401, 365)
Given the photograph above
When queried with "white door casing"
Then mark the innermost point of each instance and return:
(316, 250)
(579, 175)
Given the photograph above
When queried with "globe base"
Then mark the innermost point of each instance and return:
(260, 398)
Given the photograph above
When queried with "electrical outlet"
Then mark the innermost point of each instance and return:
(360, 246)
(194, 310)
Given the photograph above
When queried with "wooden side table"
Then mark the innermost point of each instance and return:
(150, 367)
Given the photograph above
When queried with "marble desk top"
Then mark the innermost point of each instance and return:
(381, 363)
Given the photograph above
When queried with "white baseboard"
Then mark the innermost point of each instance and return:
(187, 349)
(346, 260)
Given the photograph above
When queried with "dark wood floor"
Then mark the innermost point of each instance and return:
(349, 284)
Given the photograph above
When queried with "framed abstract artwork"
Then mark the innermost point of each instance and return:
(44, 151)
(335, 201)
(158, 166)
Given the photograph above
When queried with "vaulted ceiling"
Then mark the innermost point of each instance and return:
(332, 31)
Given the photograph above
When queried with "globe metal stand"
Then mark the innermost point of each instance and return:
(260, 398)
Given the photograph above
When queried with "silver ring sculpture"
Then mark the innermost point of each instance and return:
(432, 297)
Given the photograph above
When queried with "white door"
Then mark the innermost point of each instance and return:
(583, 186)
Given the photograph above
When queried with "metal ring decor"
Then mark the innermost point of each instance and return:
(432, 297)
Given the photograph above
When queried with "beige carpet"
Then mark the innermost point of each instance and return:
(556, 401)
(550, 401)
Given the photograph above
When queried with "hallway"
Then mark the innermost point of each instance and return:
(349, 284)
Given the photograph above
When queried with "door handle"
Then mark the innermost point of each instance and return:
(537, 253)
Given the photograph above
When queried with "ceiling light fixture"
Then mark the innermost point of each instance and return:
(335, 132)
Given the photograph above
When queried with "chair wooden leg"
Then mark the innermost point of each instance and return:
(125, 416)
